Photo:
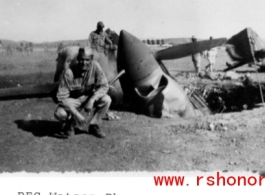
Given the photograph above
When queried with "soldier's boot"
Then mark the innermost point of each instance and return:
(68, 128)
(96, 131)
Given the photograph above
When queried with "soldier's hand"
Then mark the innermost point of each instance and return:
(112, 88)
(88, 110)
(80, 119)
(89, 106)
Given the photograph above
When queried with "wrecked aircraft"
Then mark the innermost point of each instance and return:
(245, 47)
(145, 83)
(146, 86)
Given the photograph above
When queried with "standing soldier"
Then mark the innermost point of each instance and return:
(9, 50)
(211, 57)
(1, 48)
(196, 58)
(30, 46)
(46, 48)
(27, 49)
(99, 40)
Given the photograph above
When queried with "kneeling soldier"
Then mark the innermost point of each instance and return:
(83, 86)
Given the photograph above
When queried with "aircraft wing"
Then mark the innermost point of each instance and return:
(27, 91)
(42, 90)
(183, 50)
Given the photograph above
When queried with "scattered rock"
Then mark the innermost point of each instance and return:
(166, 151)
(232, 163)
(231, 127)
(112, 116)
(211, 127)
(201, 125)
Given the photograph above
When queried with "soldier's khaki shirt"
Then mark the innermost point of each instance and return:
(92, 83)
(98, 41)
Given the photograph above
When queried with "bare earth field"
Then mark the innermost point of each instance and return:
(30, 139)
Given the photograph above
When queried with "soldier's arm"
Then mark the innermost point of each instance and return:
(64, 89)
(63, 94)
(108, 41)
(67, 63)
(101, 83)
(112, 45)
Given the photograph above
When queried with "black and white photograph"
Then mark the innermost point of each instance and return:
(123, 86)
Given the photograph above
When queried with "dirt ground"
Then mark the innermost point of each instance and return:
(230, 141)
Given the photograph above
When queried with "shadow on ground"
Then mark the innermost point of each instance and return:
(41, 128)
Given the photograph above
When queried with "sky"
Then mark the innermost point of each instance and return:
(56, 20)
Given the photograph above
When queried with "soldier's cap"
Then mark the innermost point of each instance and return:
(84, 53)
(193, 37)
(100, 24)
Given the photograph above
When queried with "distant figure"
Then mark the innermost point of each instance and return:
(46, 48)
(196, 58)
(9, 50)
(19, 49)
(27, 49)
(60, 47)
(3, 51)
(2, 48)
(31, 47)
(211, 57)
(99, 40)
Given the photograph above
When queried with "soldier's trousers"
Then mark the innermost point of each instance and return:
(64, 110)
